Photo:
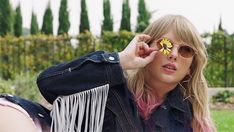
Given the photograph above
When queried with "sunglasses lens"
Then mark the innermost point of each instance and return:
(186, 51)
(164, 44)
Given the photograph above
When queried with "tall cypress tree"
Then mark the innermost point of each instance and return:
(84, 20)
(220, 28)
(108, 21)
(6, 17)
(47, 26)
(143, 16)
(64, 23)
(34, 25)
(126, 14)
(18, 22)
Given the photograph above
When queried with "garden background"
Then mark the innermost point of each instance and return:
(24, 53)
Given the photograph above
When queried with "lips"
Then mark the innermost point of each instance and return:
(170, 66)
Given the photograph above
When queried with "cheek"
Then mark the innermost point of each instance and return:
(155, 65)
(158, 58)
(185, 66)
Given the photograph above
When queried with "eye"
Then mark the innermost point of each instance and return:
(165, 46)
(186, 51)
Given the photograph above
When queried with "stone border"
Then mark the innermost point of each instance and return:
(214, 90)
(219, 105)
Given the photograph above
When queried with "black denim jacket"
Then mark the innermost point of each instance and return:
(99, 68)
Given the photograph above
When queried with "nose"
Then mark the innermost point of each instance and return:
(173, 55)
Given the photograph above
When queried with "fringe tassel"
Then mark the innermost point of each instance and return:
(82, 111)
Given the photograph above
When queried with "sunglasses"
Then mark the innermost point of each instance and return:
(166, 45)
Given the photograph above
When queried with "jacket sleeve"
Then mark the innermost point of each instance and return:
(90, 71)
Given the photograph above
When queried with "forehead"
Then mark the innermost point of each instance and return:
(173, 37)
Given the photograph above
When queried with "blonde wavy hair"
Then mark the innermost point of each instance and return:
(196, 87)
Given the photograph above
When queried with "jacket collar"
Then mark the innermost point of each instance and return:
(177, 101)
(174, 106)
(174, 99)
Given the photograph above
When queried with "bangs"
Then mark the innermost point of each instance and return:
(181, 27)
(184, 31)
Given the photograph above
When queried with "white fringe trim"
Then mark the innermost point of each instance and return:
(85, 109)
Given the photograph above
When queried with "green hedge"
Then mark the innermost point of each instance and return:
(220, 68)
(23, 85)
(35, 53)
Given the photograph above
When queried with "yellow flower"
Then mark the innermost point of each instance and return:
(166, 46)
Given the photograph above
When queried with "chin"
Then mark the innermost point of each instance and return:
(169, 79)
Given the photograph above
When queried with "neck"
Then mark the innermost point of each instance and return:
(159, 88)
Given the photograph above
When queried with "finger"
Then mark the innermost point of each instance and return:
(146, 50)
(142, 37)
(137, 39)
(142, 48)
(151, 50)
(145, 47)
(134, 43)
(138, 46)
(149, 58)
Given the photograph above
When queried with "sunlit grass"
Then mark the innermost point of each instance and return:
(224, 120)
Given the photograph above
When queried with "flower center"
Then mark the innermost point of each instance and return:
(164, 46)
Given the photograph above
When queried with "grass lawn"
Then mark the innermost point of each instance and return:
(224, 120)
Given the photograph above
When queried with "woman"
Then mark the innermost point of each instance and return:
(20, 115)
(164, 88)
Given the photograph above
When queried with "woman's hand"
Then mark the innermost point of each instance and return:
(137, 54)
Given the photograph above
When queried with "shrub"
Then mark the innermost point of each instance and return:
(6, 86)
(26, 87)
(224, 97)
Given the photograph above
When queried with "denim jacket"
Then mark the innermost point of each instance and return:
(121, 115)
